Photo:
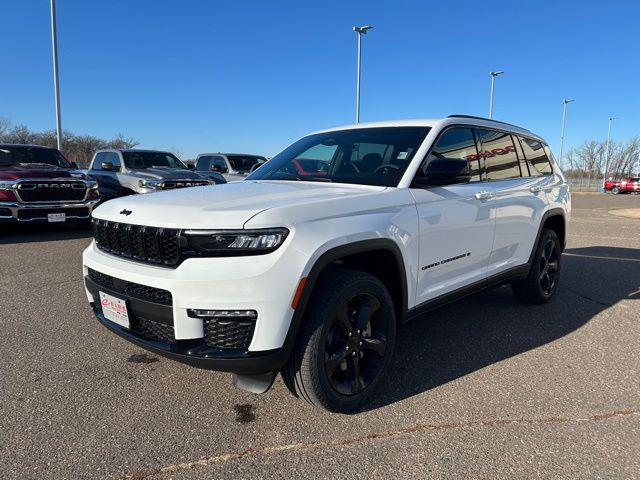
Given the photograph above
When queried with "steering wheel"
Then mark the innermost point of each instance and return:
(385, 169)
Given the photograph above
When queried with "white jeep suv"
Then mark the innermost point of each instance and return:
(309, 271)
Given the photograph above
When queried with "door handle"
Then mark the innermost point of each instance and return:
(483, 195)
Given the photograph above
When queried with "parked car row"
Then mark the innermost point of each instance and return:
(38, 184)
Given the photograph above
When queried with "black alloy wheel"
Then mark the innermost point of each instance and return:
(346, 342)
(356, 344)
(542, 280)
(548, 267)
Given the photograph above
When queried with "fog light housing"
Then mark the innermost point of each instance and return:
(227, 329)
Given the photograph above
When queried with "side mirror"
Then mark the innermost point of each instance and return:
(218, 169)
(109, 167)
(445, 171)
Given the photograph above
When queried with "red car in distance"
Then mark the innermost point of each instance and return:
(628, 185)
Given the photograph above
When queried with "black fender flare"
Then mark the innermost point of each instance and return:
(325, 260)
(552, 212)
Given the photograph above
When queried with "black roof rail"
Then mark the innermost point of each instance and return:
(487, 119)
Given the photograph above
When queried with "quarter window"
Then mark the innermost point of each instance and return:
(499, 153)
(536, 156)
(459, 143)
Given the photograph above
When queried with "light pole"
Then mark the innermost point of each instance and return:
(493, 79)
(360, 31)
(564, 121)
(606, 163)
(56, 83)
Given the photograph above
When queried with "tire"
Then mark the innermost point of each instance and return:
(615, 190)
(330, 367)
(542, 280)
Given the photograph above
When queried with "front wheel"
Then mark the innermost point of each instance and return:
(346, 343)
(615, 190)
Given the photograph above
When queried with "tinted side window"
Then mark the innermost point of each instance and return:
(113, 158)
(537, 158)
(219, 162)
(97, 161)
(457, 142)
(499, 153)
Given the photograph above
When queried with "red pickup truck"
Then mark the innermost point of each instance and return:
(628, 185)
(37, 184)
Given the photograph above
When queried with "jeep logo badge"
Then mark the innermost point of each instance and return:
(126, 212)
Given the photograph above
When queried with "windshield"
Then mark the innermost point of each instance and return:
(366, 156)
(243, 163)
(142, 160)
(19, 155)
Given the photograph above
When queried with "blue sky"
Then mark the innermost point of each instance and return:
(253, 76)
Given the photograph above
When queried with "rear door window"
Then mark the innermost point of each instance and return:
(537, 158)
(499, 154)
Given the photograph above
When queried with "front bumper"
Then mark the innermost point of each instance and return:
(37, 212)
(194, 352)
(265, 284)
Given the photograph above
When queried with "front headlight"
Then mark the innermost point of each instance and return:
(149, 183)
(235, 242)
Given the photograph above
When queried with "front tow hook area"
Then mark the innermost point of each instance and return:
(254, 383)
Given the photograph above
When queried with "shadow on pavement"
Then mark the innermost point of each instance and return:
(492, 326)
(42, 232)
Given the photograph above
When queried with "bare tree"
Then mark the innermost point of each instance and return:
(77, 148)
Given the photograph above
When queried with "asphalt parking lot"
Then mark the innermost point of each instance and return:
(484, 388)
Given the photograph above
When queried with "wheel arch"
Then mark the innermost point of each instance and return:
(555, 219)
(353, 255)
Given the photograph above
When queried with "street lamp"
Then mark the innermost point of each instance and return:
(360, 31)
(493, 79)
(56, 83)
(564, 120)
(606, 163)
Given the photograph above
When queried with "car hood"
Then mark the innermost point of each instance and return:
(17, 172)
(228, 205)
(164, 174)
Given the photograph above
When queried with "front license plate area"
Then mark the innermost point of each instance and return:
(56, 217)
(115, 309)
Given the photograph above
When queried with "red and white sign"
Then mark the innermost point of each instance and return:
(114, 309)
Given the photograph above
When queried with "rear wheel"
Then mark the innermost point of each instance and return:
(542, 281)
(346, 342)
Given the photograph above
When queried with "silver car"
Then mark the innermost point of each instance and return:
(122, 172)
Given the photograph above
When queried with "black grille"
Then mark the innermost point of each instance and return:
(5, 212)
(148, 244)
(52, 191)
(101, 278)
(151, 294)
(228, 333)
(41, 213)
(153, 330)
